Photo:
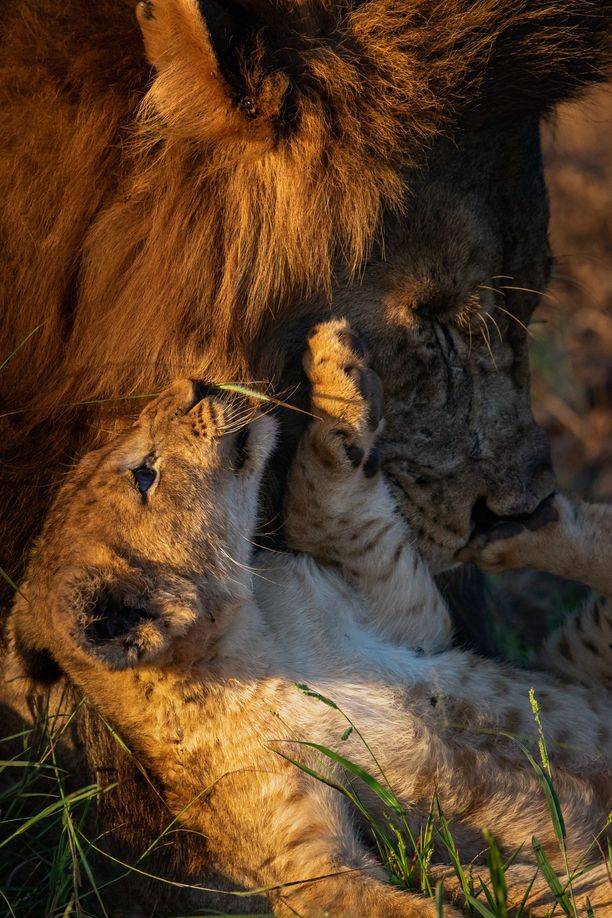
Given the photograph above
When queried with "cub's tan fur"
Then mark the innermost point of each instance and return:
(173, 211)
(149, 603)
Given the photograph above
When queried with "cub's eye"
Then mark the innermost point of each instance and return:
(144, 477)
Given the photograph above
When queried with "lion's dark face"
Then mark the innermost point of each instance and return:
(449, 335)
(372, 154)
(355, 106)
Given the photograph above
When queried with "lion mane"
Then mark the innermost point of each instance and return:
(162, 216)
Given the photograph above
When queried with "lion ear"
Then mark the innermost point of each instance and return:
(215, 79)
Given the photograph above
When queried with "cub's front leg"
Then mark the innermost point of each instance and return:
(338, 507)
(575, 544)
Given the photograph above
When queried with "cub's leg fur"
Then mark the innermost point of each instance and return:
(339, 510)
(338, 507)
(593, 884)
(577, 545)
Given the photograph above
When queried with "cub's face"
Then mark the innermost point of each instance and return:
(153, 533)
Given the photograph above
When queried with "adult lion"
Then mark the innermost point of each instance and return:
(280, 161)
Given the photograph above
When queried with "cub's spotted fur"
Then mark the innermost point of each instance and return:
(145, 588)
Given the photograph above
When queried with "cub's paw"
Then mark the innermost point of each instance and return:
(122, 628)
(513, 542)
(347, 396)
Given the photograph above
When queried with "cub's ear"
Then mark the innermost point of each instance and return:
(215, 78)
(123, 627)
(86, 615)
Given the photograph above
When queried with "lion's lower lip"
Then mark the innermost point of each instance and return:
(484, 520)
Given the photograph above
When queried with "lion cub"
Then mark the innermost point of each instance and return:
(146, 588)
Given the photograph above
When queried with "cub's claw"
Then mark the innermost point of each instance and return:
(353, 342)
(372, 463)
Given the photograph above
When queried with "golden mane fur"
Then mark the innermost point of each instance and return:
(159, 222)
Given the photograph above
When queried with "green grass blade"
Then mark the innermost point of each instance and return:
(85, 793)
(19, 346)
(8, 579)
(8, 905)
(440, 899)
(549, 874)
(313, 774)
(480, 907)
(445, 836)
(498, 876)
(311, 693)
(388, 797)
(523, 902)
(552, 801)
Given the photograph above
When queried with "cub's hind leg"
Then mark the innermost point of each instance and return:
(576, 544)
(581, 647)
(280, 829)
(338, 507)
(540, 903)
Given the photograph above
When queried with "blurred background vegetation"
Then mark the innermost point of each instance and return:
(572, 343)
(571, 352)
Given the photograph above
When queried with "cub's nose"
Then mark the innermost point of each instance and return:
(201, 390)
(219, 413)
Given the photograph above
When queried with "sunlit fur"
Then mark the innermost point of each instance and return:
(132, 254)
(158, 222)
(202, 686)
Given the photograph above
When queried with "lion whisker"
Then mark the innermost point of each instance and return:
(252, 571)
(258, 545)
(488, 315)
(493, 289)
(516, 319)
(486, 337)
(544, 293)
